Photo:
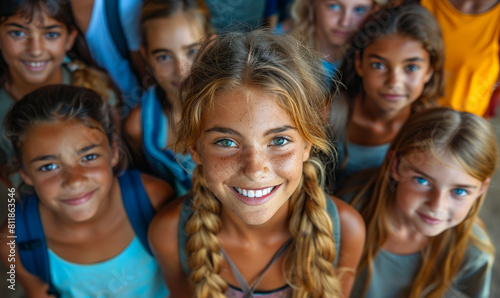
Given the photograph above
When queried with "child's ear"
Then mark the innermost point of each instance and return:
(307, 152)
(25, 177)
(193, 149)
(484, 186)
(394, 169)
(143, 52)
(115, 154)
(357, 64)
(429, 74)
(70, 41)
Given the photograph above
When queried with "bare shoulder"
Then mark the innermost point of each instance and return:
(163, 237)
(352, 237)
(350, 220)
(132, 124)
(158, 190)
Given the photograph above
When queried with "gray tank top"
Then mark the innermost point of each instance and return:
(246, 291)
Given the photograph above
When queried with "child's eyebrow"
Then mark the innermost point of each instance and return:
(193, 45)
(223, 130)
(45, 157)
(279, 130)
(160, 50)
(421, 173)
(52, 27)
(87, 149)
(406, 60)
(16, 25)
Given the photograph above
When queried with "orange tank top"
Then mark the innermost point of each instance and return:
(472, 49)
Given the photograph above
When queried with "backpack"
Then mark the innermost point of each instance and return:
(115, 27)
(31, 242)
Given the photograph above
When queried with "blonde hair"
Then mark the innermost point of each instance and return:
(469, 140)
(291, 73)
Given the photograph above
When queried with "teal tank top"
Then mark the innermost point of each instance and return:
(132, 273)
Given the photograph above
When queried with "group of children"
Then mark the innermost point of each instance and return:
(308, 161)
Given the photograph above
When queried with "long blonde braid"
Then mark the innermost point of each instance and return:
(203, 246)
(313, 252)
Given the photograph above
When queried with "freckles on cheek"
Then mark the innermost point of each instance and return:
(289, 164)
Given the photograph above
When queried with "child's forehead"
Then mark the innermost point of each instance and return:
(37, 18)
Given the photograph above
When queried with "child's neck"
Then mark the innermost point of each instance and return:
(473, 6)
(17, 87)
(234, 229)
(368, 119)
(331, 53)
(403, 238)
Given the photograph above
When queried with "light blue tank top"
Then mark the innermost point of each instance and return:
(132, 273)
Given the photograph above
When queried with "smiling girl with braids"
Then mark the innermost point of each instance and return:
(257, 222)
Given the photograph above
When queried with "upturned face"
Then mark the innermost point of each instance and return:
(252, 154)
(70, 165)
(34, 51)
(434, 193)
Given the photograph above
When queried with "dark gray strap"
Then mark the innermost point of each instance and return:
(247, 291)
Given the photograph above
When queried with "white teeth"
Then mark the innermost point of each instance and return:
(35, 64)
(254, 193)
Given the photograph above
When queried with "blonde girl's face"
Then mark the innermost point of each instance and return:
(34, 51)
(434, 194)
(252, 155)
(171, 46)
(394, 70)
(338, 20)
(70, 166)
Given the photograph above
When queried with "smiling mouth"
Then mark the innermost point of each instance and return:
(430, 220)
(80, 199)
(255, 193)
(35, 65)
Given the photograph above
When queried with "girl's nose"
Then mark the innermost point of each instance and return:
(35, 46)
(438, 201)
(394, 78)
(345, 19)
(182, 67)
(73, 178)
(255, 164)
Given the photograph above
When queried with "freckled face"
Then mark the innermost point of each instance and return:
(434, 194)
(252, 154)
(70, 166)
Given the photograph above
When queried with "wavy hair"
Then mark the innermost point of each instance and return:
(469, 140)
(292, 74)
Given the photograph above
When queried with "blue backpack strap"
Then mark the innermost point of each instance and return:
(31, 242)
(115, 27)
(186, 212)
(333, 213)
(137, 205)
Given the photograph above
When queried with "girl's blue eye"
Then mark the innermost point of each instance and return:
(412, 68)
(377, 65)
(90, 157)
(280, 141)
(163, 58)
(16, 33)
(421, 181)
(460, 192)
(360, 10)
(52, 35)
(192, 52)
(48, 167)
(226, 143)
(335, 7)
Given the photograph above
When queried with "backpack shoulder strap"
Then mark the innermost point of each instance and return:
(137, 205)
(31, 241)
(115, 27)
